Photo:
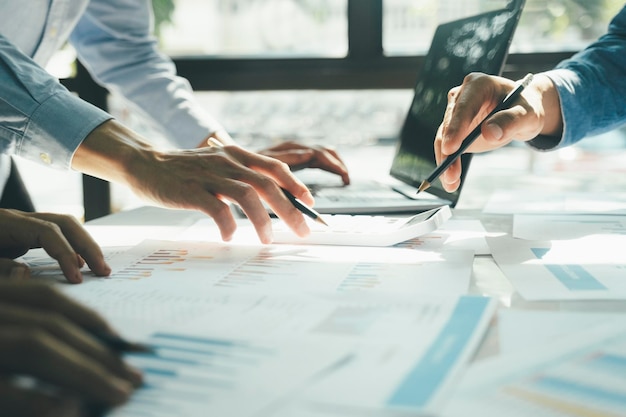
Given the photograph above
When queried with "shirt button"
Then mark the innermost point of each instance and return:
(53, 31)
(45, 158)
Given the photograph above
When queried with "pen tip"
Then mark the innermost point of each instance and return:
(424, 185)
(320, 220)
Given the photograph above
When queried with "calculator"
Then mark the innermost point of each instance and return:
(362, 230)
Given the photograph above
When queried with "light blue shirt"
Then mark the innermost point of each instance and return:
(40, 120)
(592, 88)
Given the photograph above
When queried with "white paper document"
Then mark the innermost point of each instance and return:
(590, 268)
(265, 355)
(197, 375)
(454, 234)
(415, 376)
(583, 375)
(559, 226)
(168, 268)
(256, 330)
(509, 202)
(363, 230)
(520, 330)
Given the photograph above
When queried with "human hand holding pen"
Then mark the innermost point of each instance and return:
(206, 179)
(297, 203)
(536, 111)
(47, 337)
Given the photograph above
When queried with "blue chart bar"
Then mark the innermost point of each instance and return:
(611, 363)
(185, 372)
(574, 277)
(424, 380)
(580, 390)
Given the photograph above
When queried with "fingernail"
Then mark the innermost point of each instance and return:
(135, 376)
(267, 236)
(494, 130)
(77, 278)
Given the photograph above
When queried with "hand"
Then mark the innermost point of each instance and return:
(536, 112)
(299, 156)
(62, 237)
(203, 179)
(46, 337)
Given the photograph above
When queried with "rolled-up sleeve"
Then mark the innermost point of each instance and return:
(40, 119)
(592, 88)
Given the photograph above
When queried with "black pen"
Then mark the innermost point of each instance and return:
(119, 344)
(294, 200)
(504, 104)
(304, 208)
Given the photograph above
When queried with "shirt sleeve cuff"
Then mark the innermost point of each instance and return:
(56, 129)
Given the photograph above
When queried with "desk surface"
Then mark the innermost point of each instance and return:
(515, 169)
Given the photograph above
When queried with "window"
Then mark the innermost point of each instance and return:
(267, 28)
(309, 60)
(557, 25)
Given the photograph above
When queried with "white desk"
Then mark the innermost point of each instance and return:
(510, 169)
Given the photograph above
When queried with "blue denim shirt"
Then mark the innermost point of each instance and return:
(42, 121)
(592, 88)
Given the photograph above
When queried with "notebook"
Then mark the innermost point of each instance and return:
(477, 43)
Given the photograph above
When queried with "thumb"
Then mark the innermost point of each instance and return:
(503, 126)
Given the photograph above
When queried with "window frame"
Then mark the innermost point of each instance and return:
(364, 67)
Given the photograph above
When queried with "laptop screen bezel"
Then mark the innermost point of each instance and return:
(514, 8)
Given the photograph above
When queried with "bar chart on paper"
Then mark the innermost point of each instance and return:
(191, 376)
(586, 380)
(174, 266)
(590, 268)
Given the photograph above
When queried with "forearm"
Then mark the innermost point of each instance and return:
(110, 151)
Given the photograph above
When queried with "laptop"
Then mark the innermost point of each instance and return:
(477, 43)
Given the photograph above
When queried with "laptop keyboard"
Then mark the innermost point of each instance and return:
(346, 195)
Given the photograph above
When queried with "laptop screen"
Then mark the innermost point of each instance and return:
(478, 43)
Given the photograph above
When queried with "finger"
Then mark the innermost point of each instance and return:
(321, 157)
(40, 355)
(477, 96)
(445, 124)
(46, 297)
(274, 169)
(32, 232)
(313, 158)
(248, 191)
(329, 161)
(58, 326)
(267, 187)
(518, 122)
(250, 203)
(207, 200)
(9, 269)
(80, 240)
(292, 157)
(451, 177)
(23, 402)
